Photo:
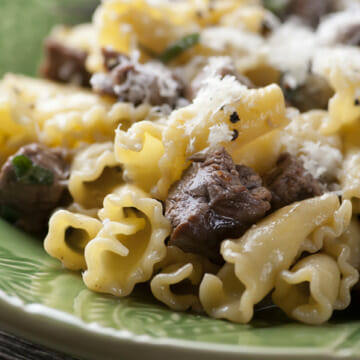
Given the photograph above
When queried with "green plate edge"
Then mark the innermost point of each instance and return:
(37, 285)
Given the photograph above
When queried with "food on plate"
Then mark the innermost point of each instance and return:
(208, 148)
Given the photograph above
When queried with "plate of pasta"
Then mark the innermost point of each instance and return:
(183, 179)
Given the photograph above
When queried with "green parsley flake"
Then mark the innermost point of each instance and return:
(28, 173)
(178, 47)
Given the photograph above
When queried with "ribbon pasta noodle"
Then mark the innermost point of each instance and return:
(176, 268)
(68, 235)
(130, 243)
(95, 172)
(311, 275)
(268, 240)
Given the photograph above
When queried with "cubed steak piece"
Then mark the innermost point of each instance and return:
(32, 185)
(309, 11)
(288, 182)
(65, 64)
(215, 199)
(130, 81)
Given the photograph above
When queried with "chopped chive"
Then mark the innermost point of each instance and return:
(178, 47)
(28, 173)
(22, 164)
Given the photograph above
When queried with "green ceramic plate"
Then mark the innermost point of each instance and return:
(48, 304)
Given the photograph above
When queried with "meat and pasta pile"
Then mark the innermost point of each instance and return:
(210, 148)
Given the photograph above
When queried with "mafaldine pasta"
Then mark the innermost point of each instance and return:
(207, 148)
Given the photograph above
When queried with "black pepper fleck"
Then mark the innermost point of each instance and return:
(235, 135)
(357, 102)
(234, 117)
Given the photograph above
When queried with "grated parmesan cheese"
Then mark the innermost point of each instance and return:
(340, 64)
(219, 133)
(320, 154)
(214, 95)
(290, 49)
(144, 83)
(334, 25)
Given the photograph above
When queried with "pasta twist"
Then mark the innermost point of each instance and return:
(177, 268)
(94, 173)
(252, 277)
(68, 235)
(130, 243)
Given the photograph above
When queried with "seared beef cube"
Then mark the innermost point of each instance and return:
(309, 11)
(314, 93)
(214, 200)
(290, 182)
(65, 64)
(32, 185)
(151, 83)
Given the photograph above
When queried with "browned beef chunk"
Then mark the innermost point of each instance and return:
(130, 81)
(288, 182)
(198, 82)
(32, 185)
(214, 200)
(65, 64)
(314, 93)
(349, 35)
(309, 11)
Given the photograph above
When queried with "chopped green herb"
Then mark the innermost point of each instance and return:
(9, 213)
(178, 47)
(41, 175)
(22, 164)
(28, 173)
(277, 7)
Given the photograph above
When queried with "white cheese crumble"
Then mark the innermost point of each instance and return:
(331, 28)
(221, 39)
(290, 49)
(219, 133)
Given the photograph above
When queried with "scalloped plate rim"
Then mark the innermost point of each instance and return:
(57, 319)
